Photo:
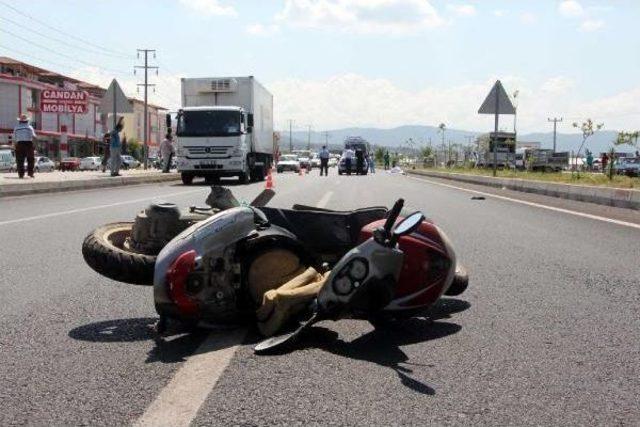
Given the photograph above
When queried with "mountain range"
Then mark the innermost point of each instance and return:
(395, 138)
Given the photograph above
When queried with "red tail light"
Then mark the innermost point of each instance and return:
(177, 282)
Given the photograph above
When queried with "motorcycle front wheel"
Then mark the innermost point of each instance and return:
(105, 251)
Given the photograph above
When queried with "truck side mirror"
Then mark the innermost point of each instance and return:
(168, 119)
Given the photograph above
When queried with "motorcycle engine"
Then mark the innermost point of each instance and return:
(214, 285)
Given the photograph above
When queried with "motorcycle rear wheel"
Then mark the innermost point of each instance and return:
(105, 251)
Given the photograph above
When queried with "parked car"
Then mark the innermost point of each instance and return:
(305, 162)
(44, 164)
(315, 161)
(288, 162)
(90, 163)
(629, 166)
(70, 164)
(6, 160)
(128, 162)
(333, 162)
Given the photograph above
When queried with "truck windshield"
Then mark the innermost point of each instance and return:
(209, 123)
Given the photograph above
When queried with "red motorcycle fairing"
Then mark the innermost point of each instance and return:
(177, 283)
(427, 270)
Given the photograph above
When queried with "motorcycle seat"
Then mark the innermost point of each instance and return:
(324, 231)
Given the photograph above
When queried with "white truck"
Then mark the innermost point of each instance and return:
(224, 128)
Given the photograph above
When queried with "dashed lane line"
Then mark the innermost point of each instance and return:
(325, 199)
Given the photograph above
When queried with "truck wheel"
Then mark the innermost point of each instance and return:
(243, 178)
(187, 178)
(106, 251)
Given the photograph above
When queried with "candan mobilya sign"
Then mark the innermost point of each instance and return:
(64, 101)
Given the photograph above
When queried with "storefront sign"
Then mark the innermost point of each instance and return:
(64, 101)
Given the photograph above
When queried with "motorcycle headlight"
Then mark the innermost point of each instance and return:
(343, 285)
(359, 269)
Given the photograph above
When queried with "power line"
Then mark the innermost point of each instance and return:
(59, 53)
(64, 33)
(19, 52)
(64, 42)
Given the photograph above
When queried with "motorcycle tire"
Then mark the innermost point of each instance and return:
(104, 250)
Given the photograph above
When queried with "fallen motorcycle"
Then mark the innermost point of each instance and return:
(215, 264)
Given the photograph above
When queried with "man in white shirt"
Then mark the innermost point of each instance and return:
(23, 135)
(348, 159)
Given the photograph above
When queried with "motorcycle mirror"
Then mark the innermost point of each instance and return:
(408, 225)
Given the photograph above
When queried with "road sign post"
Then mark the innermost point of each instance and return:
(115, 101)
(496, 103)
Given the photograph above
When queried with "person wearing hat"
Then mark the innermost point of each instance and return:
(116, 148)
(23, 135)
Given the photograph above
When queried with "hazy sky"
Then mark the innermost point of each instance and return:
(341, 63)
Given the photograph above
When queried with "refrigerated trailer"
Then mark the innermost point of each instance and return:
(224, 128)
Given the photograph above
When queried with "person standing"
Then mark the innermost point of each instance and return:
(371, 162)
(324, 160)
(604, 160)
(106, 142)
(167, 151)
(23, 135)
(386, 160)
(116, 148)
(348, 159)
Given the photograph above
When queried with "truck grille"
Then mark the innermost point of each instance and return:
(201, 150)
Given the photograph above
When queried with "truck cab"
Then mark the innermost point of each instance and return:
(216, 136)
(212, 142)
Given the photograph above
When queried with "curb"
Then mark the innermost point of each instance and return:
(7, 190)
(608, 196)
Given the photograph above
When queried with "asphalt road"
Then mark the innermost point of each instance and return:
(547, 334)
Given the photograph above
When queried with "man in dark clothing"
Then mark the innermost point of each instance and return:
(106, 143)
(359, 162)
(386, 160)
(324, 160)
(23, 135)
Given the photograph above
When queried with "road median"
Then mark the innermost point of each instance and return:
(608, 196)
(88, 182)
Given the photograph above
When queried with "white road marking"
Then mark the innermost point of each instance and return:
(537, 205)
(92, 208)
(179, 401)
(325, 199)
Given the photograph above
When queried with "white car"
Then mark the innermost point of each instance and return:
(129, 162)
(90, 163)
(6, 160)
(333, 162)
(315, 161)
(288, 162)
(43, 164)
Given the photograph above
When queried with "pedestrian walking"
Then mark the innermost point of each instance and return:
(324, 160)
(386, 160)
(106, 145)
(116, 148)
(604, 159)
(348, 159)
(167, 151)
(23, 135)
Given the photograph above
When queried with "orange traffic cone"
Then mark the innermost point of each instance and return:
(269, 184)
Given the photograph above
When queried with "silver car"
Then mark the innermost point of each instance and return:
(90, 163)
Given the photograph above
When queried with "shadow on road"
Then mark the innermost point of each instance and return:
(179, 343)
(382, 345)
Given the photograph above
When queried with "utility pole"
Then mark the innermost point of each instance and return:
(326, 139)
(309, 138)
(146, 85)
(290, 136)
(555, 121)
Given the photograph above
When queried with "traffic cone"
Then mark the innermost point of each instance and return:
(269, 185)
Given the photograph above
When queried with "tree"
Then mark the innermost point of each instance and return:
(426, 151)
(135, 148)
(379, 155)
(588, 129)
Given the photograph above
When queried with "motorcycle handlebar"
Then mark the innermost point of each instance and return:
(393, 215)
